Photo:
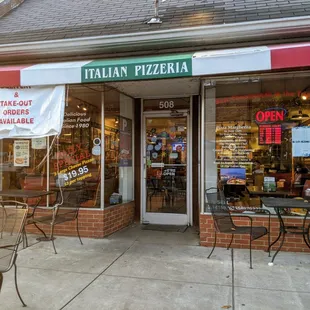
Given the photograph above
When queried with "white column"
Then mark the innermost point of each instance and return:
(210, 168)
(126, 181)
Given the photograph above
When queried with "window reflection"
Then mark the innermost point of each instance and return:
(73, 161)
(260, 134)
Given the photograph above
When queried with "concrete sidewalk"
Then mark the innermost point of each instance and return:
(141, 269)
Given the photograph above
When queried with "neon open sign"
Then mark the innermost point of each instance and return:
(270, 115)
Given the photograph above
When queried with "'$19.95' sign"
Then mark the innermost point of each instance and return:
(79, 172)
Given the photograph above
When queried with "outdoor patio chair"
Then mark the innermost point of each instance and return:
(223, 222)
(60, 213)
(12, 220)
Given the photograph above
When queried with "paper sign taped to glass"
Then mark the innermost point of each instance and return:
(31, 112)
(301, 141)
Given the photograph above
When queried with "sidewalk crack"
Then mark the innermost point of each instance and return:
(233, 280)
(100, 274)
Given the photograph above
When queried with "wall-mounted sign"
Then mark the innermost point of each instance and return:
(272, 115)
(125, 142)
(270, 134)
(166, 104)
(142, 68)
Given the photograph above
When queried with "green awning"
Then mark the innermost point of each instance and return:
(142, 68)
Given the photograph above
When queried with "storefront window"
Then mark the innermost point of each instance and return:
(118, 137)
(23, 163)
(257, 138)
(75, 161)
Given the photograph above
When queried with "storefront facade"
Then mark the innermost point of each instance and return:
(143, 137)
(148, 137)
(256, 142)
(143, 143)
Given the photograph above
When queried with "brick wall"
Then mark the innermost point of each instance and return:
(7, 5)
(293, 243)
(92, 223)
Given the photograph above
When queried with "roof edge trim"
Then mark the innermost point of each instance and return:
(214, 34)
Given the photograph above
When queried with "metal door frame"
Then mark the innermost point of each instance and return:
(167, 218)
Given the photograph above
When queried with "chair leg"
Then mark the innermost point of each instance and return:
(251, 253)
(16, 286)
(52, 238)
(25, 239)
(77, 229)
(35, 224)
(1, 280)
(214, 244)
(232, 238)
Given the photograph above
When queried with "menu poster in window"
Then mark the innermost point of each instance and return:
(270, 134)
(125, 142)
(21, 153)
(301, 141)
(232, 144)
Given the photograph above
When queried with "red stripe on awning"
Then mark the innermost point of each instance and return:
(290, 56)
(10, 75)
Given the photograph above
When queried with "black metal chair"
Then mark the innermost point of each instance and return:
(12, 220)
(155, 189)
(223, 222)
(64, 210)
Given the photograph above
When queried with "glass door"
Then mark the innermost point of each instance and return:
(166, 172)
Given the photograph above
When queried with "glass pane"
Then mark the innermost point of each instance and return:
(252, 147)
(166, 165)
(76, 155)
(118, 157)
(23, 164)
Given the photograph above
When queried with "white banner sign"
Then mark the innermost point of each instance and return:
(31, 112)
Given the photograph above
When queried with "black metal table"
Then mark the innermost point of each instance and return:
(27, 194)
(280, 204)
(258, 191)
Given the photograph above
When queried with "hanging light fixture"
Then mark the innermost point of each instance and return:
(300, 115)
(303, 95)
(82, 106)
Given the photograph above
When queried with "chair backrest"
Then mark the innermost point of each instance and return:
(68, 207)
(217, 203)
(12, 220)
(95, 200)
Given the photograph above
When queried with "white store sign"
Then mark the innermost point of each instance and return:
(31, 112)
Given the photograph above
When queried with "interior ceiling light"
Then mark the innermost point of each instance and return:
(300, 115)
(82, 106)
(156, 19)
(303, 94)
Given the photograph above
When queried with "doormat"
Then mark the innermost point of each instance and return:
(168, 228)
